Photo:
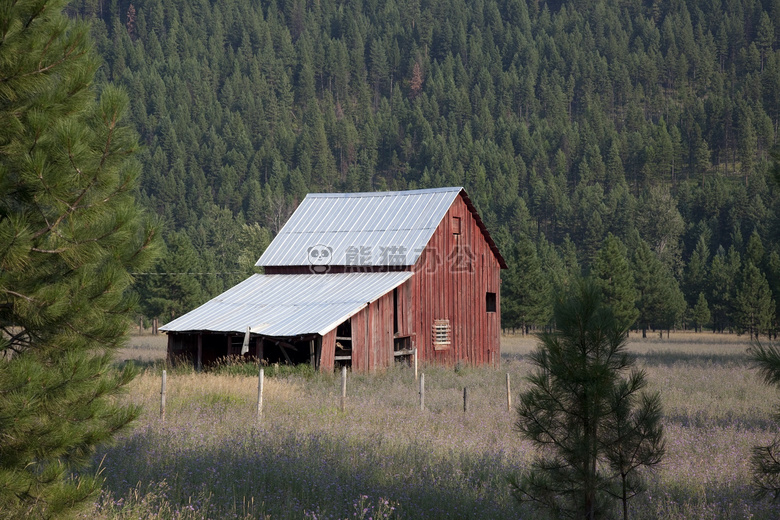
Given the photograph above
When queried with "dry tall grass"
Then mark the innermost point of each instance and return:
(307, 459)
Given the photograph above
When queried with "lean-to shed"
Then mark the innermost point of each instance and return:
(361, 279)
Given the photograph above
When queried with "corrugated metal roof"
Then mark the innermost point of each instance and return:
(376, 229)
(290, 304)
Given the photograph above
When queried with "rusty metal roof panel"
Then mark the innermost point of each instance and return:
(288, 305)
(388, 228)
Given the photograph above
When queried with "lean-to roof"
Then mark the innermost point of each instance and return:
(288, 305)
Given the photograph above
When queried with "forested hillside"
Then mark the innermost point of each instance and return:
(625, 138)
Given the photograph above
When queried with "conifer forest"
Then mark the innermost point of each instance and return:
(631, 140)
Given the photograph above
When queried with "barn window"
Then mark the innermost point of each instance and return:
(490, 302)
(456, 225)
(441, 334)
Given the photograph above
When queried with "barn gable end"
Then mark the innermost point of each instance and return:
(453, 280)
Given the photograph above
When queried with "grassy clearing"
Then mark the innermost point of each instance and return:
(385, 458)
(145, 349)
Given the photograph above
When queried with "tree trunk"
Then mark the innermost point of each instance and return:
(624, 498)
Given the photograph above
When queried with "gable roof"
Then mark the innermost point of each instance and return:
(387, 228)
(285, 305)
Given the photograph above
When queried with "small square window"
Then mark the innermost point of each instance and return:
(490, 302)
(441, 334)
(456, 225)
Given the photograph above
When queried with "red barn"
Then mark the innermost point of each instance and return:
(361, 279)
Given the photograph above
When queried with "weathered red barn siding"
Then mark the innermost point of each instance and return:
(372, 335)
(328, 351)
(360, 340)
(372, 330)
(381, 312)
(406, 326)
(445, 288)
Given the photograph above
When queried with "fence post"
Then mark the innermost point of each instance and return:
(162, 396)
(465, 400)
(508, 394)
(422, 391)
(260, 382)
(343, 388)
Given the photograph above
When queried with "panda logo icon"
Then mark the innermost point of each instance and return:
(319, 258)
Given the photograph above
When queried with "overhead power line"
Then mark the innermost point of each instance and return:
(188, 273)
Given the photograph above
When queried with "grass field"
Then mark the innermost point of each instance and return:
(385, 458)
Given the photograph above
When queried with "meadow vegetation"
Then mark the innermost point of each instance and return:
(384, 458)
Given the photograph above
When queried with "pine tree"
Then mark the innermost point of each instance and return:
(175, 285)
(660, 224)
(765, 461)
(586, 408)
(533, 291)
(634, 435)
(70, 235)
(701, 313)
(754, 252)
(611, 271)
(675, 308)
(660, 301)
(765, 36)
(416, 81)
(724, 273)
(754, 304)
(696, 272)
(773, 277)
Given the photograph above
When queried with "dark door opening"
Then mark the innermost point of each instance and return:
(395, 310)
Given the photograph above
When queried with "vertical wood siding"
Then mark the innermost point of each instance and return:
(360, 341)
(328, 351)
(405, 314)
(372, 330)
(451, 280)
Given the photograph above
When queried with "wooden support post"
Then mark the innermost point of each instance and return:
(465, 400)
(245, 343)
(343, 388)
(162, 396)
(199, 361)
(508, 394)
(311, 354)
(415, 363)
(422, 391)
(260, 381)
(284, 351)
